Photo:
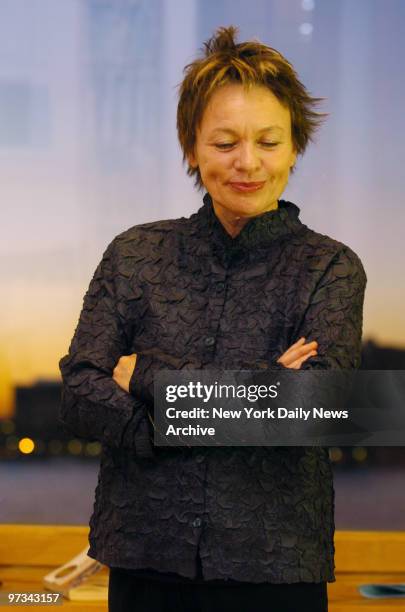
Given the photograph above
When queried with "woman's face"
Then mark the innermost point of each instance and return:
(244, 150)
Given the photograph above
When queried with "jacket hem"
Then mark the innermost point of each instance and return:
(239, 574)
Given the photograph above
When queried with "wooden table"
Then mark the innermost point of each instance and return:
(28, 552)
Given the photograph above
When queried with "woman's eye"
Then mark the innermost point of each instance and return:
(224, 145)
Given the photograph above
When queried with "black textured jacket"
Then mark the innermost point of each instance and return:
(183, 294)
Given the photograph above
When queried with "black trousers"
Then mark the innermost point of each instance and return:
(129, 593)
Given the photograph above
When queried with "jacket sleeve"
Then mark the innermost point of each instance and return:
(334, 316)
(93, 405)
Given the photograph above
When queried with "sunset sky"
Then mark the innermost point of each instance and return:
(88, 146)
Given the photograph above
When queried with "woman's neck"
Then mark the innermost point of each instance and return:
(233, 224)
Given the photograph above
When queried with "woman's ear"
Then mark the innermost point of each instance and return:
(293, 158)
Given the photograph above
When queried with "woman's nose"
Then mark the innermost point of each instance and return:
(247, 157)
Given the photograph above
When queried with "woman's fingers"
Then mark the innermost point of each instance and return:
(295, 365)
(299, 347)
(297, 351)
(301, 351)
(123, 371)
(297, 344)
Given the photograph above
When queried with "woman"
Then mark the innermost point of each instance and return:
(240, 284)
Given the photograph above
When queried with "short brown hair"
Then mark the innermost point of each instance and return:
(249, 63)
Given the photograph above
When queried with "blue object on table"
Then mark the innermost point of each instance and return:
(378, 591)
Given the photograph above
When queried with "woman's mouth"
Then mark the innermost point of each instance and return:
(246, 187)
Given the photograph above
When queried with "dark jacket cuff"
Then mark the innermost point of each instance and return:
(141, 382)
(262, 365)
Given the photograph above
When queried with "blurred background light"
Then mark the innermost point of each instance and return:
(26, 446)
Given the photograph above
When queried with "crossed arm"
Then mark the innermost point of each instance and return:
(96, 372)
(292, 358)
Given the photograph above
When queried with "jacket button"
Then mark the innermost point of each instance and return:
(197, 522)
(210, 341)
(220, 287)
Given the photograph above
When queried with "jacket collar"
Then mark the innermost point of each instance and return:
(259, 232)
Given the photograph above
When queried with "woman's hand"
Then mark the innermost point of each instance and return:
(123, 371)
(299, 352)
